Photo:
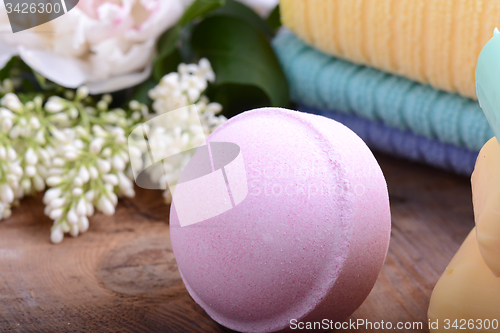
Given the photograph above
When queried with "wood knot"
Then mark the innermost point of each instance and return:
(145, 267)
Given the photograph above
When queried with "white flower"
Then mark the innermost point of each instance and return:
(56, 203)
(72, 216)
(54, 105)
(11, 154)
(81, 207)
(177, 90)
(82, 93)
(96, 145)
(106, 206)
(83, 173)
(93, 172)
(30, 170)
(53, 181)
(57, 235)
(30, 157)
(38, 183)
(11, 101)
(78, 182)
(51, 195)
(77, 191)
(83, 223)
(56, 213)
(206, 71)
(6, 124)
(110, 179)
(118, 163)
(193, 87)
(103, 166)
(35, 123)
(73, 230)
(180, 130)
(87, 164)
(85, 179)
(107, 45)
(6, 193)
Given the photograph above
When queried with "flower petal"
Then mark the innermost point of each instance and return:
(68, 72)
(6, 53)
(119, 82)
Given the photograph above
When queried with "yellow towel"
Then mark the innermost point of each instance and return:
(434, 42)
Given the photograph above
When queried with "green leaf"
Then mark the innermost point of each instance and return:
(236, 98)
(141, 91)
(166, 65)
(43, 82)
(185, 48)
(167, 42)
(241, 54)
(170, 39)
(274, 19)
(4, 72)
(242, 12)
(198, 9)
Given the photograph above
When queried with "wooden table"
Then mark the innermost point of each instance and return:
(122, 276)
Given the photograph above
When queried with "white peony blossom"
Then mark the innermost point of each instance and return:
(106, 44)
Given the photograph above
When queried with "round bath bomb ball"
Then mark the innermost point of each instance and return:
(307, 242)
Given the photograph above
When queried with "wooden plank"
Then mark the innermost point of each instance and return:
(122, 276)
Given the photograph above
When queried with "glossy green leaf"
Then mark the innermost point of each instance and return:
(141, 91)
(274, 19)
(241, 54)
(236, 98)
(199, 8)
(5, 71)
(242, 12)
(166, 65)
(169, 40)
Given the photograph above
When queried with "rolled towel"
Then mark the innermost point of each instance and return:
(404, 144)
(323, 81)
(434, 42)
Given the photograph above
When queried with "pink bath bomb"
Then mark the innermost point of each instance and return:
(310, 238)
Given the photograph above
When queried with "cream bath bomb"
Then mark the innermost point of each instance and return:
(309, 239)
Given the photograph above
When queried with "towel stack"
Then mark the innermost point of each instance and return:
(400, 73)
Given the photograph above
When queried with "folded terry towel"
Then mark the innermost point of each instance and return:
(434, 42)
(326, 82)
(403, 143)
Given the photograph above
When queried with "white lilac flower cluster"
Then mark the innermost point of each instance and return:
(23, 157)
(88, 169)
(79, 149)
(186, 128)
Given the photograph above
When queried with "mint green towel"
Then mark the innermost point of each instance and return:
(325, 82)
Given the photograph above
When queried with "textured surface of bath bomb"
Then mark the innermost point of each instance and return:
(308, 241)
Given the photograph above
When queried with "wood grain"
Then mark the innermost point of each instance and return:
(121, 275)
